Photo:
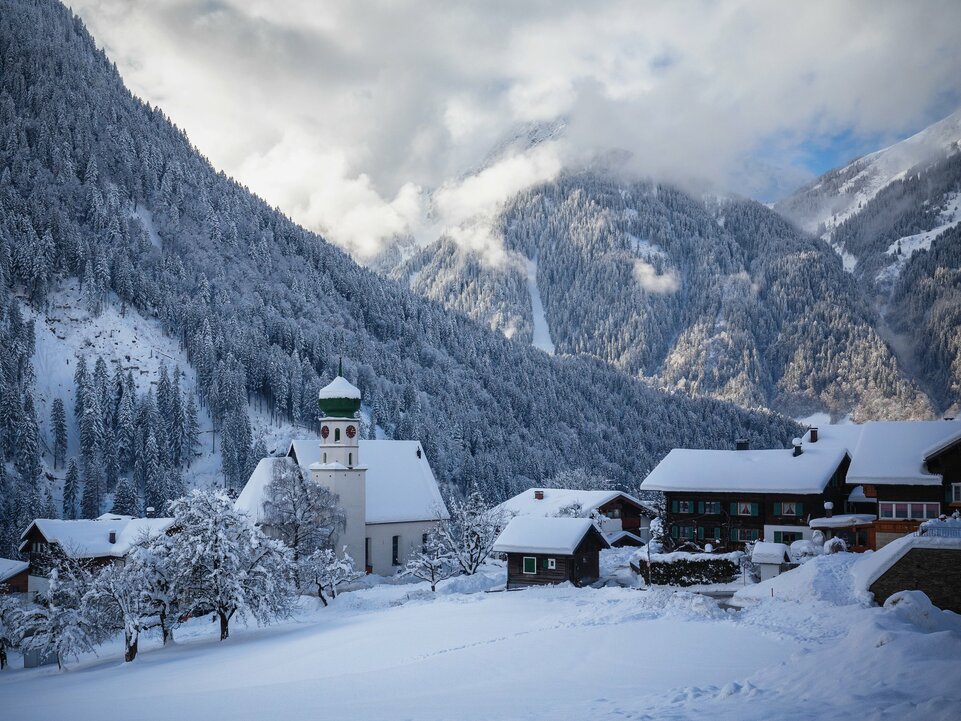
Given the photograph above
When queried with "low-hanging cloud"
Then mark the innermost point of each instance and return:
(650, 280)
(368, 121)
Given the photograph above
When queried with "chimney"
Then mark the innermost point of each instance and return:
(797, 446)
(112, 536)
(828, 509)
(538, 495)
(742, 444)
(151, 512)
(813, 433)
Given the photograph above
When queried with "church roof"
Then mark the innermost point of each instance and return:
(400, 483)
(340, 387)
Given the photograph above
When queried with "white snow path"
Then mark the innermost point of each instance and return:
(542, 332)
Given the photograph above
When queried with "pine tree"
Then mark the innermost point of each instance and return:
(124, 499)
(71, 487)
(191, 430)
(92, 499)
(58, 423)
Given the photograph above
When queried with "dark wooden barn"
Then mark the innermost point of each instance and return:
(542, 551)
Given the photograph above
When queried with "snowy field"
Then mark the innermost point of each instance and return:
(813, 651)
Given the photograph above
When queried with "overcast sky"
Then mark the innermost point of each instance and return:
(369, 119)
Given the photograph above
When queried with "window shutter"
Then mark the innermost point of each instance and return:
(800, 508)
(674, 506)
(777, 536)
(733, 534)
(674, 530)
(700, 506)
(733, 508)
(754, 509)
(700, 533)
(777, 510)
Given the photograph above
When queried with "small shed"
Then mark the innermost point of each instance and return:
(542, 551)
(13, 575)
(771, 559)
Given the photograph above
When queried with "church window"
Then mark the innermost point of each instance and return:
(350, 460)
(395, 551)
(337, 435)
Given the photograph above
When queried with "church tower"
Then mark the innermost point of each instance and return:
(339, 468)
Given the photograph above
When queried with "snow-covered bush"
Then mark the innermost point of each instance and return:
(327, 571)
(803, 550)
(688, 569)
(835, 545)
(434, 562)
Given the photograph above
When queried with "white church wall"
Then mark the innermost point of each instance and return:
(381, 537)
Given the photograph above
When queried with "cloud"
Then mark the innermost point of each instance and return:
(647, 277)
(369, 120)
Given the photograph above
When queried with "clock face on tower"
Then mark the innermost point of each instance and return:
(351, 431)
(324, 431)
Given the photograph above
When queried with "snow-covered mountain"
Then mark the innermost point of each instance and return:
(715, 297)
(106, 205)
(827, 202)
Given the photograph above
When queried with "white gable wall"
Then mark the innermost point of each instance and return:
(381, 535)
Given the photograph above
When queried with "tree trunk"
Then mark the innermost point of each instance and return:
(224, 625)
(3, 657)
(165, 630)
(131, 642)
(320, 595)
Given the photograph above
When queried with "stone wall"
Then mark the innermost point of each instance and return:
(936, 571)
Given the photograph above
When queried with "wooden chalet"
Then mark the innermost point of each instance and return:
(546, 550)
(13, 575)
(730, 498)
(623, 519)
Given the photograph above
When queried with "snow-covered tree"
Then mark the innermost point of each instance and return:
(71, 489)
(301, 513)
(434, 562)
(472, 530)
(229, 565)
(58, 424)
(327, 571)
(11, 624)
(116, 599)
(59, 623)
(160, 580)
(124, 499)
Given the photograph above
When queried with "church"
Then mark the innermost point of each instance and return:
(386, 488)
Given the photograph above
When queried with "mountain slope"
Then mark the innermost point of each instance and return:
(898, 211)
(262, 308)
(723, 299)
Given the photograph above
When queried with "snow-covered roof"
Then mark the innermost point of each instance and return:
(532, 534)
(557, 499)
(340, 387)
(894, 452)
(857, 496)
(10, 568)
(846, 520)
(761, 471)
(616, 536)
(251, 498)
(400, 483)
(91, 538)
(766, 552)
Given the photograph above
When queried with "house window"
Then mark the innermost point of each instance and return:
(744, 534)
(789, 508)
(744, 508)
(900, 511)
(712, 507)
(786, 537)
(530, 565)
(395, 551)
(956, 493)
(551, 564)
(686, 532)
(685, 507)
